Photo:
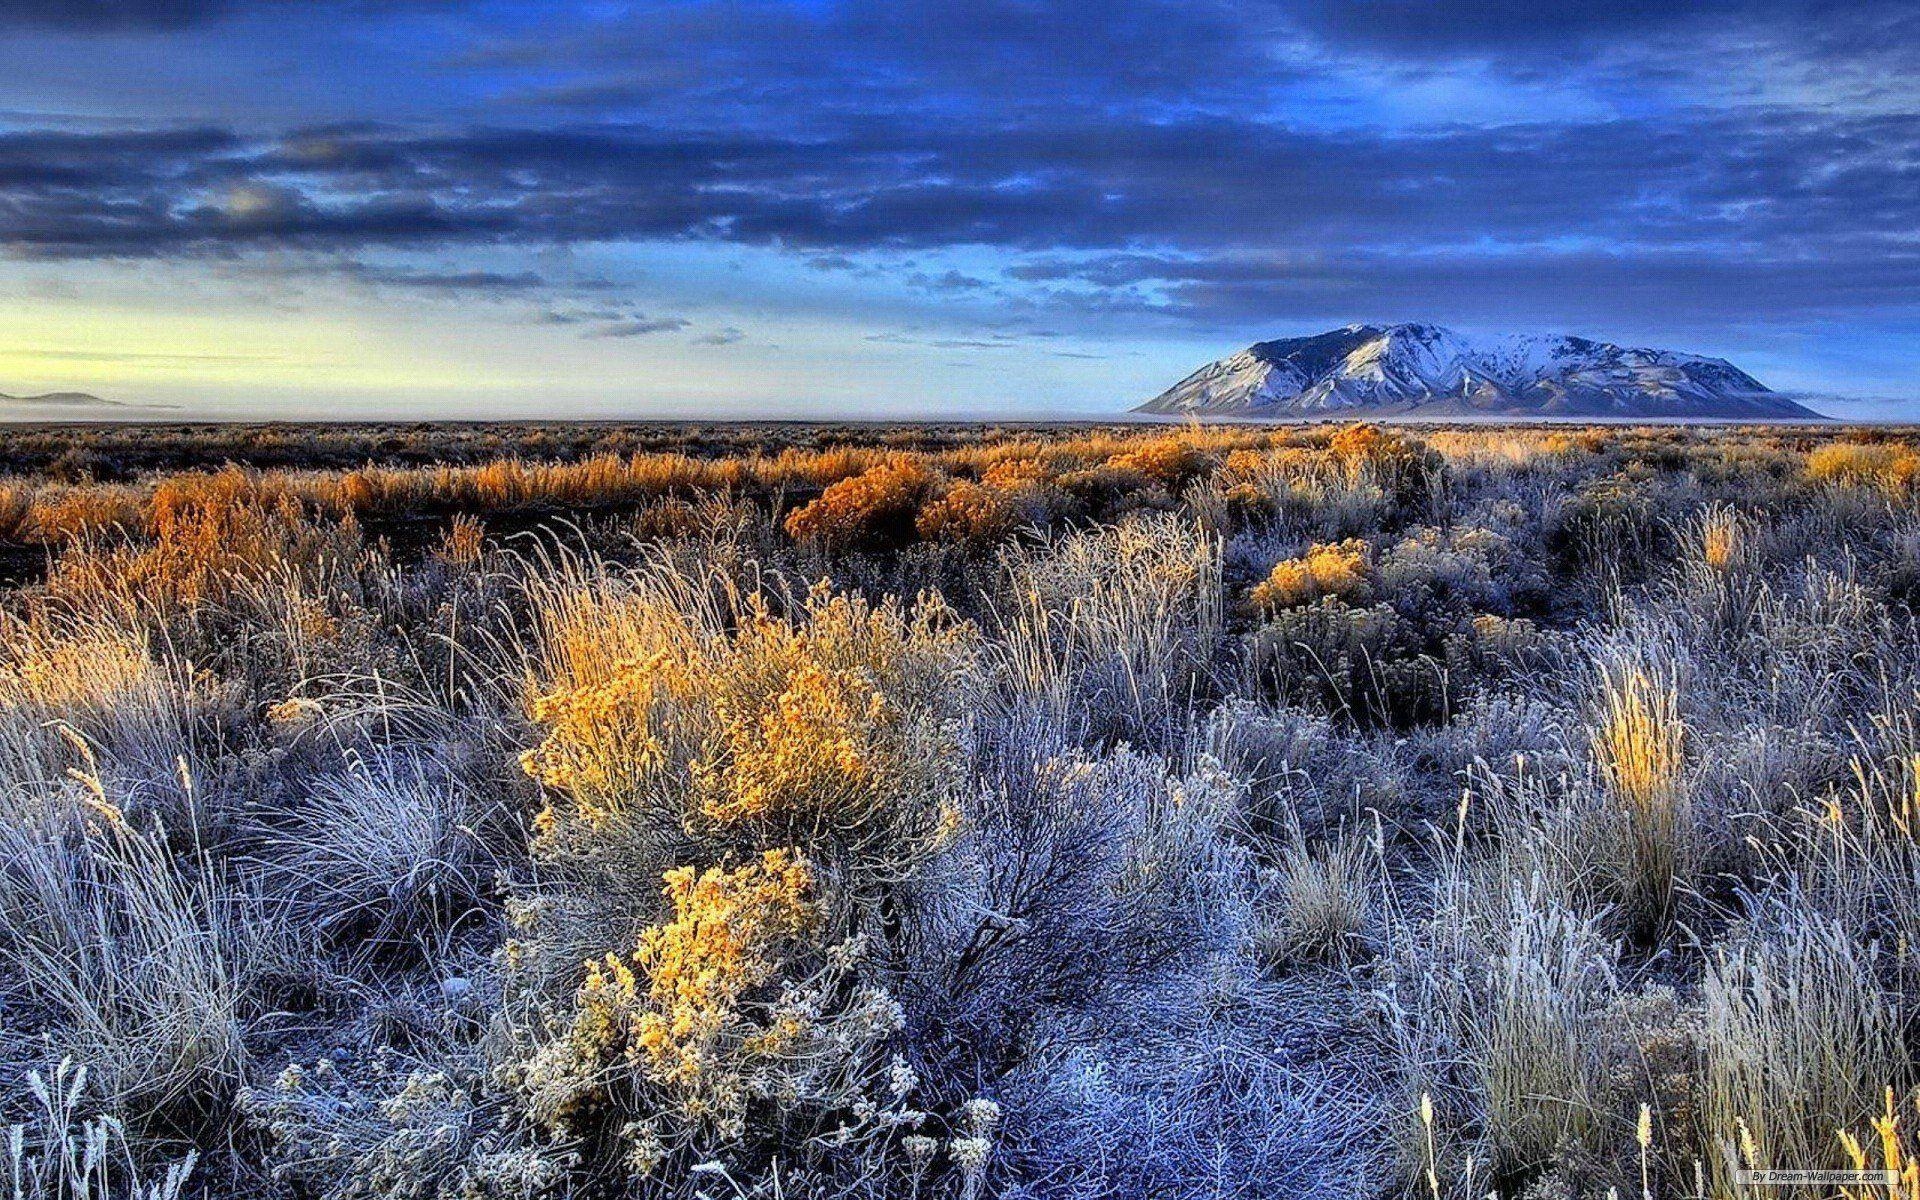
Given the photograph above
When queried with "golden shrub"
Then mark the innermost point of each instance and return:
(1167, 461)
(728, 934)
(601, 742)
(1403, 466)
(1341, 570)
(732, 1003)
(1891, 466)
(1010, 471)
(874, 508)
(971, 514)
(839, 725)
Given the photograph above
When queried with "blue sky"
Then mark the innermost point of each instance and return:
(930, 207)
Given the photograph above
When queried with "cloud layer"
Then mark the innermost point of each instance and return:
(1211, 163)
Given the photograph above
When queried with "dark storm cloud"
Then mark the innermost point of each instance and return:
(1426, 29)
(108, 14)
(482, 282)
(1684, 286)
(765, 63)
(105, 16)
(1782, 184)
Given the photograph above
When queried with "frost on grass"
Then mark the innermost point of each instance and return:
(1236, 812)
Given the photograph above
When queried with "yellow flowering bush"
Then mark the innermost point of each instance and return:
(1891, 466)
(972, 514)
(730, 1003)
(1167, 461)
(1342, 570)
(839, 726)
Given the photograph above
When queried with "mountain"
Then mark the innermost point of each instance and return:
(1425, 370)
(49, 403)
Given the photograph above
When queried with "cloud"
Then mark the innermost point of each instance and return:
(468, 281)
(1201, 161)
(104, 16)
(721, 337)
(1501, 28)
(1218, 211)
(638, 327)
(89, 15)
(130, 356)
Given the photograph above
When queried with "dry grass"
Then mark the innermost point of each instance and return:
(1800, 1041)
(1639, 743)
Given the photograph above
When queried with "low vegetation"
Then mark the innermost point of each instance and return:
(957, 813)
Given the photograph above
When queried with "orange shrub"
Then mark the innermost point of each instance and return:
(970, 514)
(1405, 468)
(1167, 461)
(871, 510)
(840, 726)
(1011, 471)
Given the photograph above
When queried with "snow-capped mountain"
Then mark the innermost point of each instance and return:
(1425, 370)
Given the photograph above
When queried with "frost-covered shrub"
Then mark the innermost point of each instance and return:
(1116, 631)
(1369, 665)
(411, 1134)
(1074, 880)
(1300, 772)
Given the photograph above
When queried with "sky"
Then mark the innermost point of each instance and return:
(930, 208)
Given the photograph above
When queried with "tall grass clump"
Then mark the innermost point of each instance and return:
(105, 685)
(1799, 1040)
(124, 957)
(392, 845)
(64, 1150)
(1116, 631)
(1319, 903)
(1639, 745)
(1498, 1013)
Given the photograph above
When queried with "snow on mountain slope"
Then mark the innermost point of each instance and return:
(1432, 371)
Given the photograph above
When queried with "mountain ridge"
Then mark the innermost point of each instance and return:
(64, 403)
(1429, 370)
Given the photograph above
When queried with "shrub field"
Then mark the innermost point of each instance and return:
(955, 813)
